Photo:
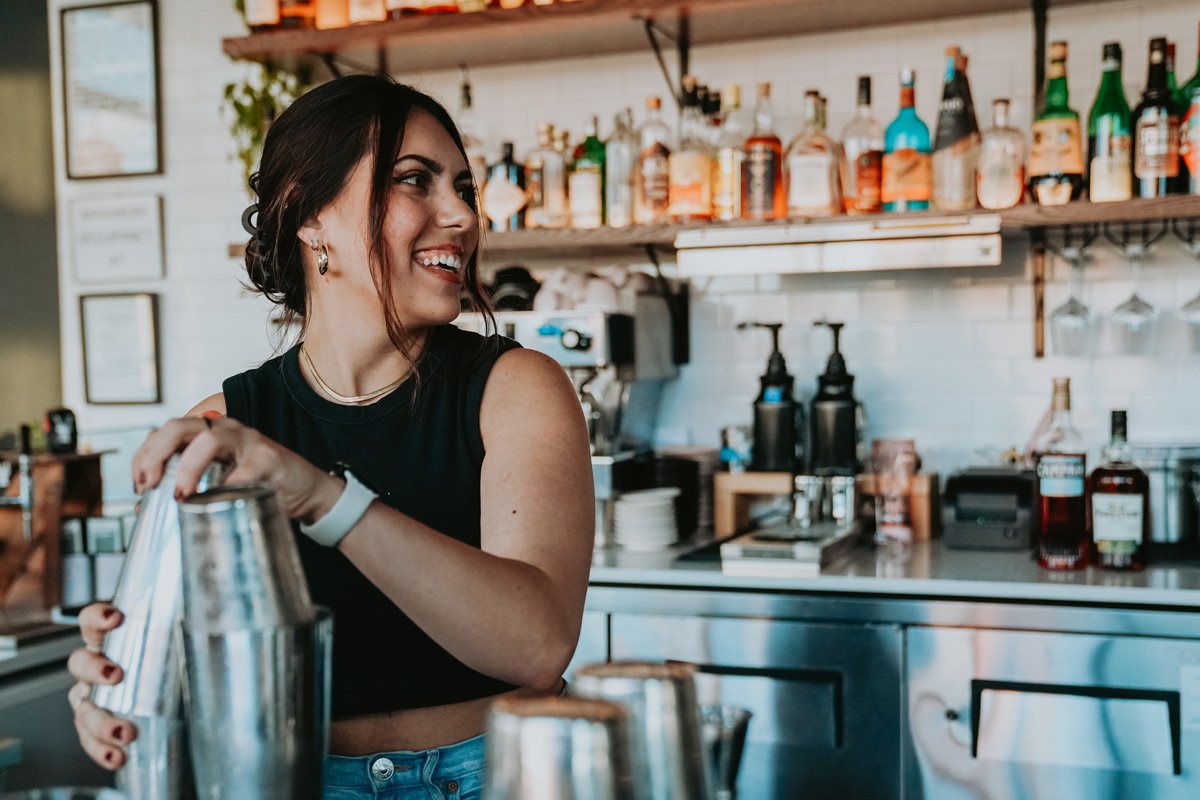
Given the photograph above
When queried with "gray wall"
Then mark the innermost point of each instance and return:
(30, 364)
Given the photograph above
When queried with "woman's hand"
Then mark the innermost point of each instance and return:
(102, 735)
(304, 491)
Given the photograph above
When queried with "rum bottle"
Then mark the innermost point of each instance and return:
(652, 176)
(762, 168)
(1110, 146)
(1156, 131)
(585, 183)
(1061, 471)
(813, 165)
(862, 157)
(956, 144)
(907, 172)
(1056, 156)
(727, 171)
(690, 168)
(545, 183)
(1120, 502)
(1000, 174)
(620, 151)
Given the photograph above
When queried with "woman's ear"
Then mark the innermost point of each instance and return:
(311, 231)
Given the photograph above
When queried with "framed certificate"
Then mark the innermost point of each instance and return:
(116, 238)
(120, 348)
(110, 90)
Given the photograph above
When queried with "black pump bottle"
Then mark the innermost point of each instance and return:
(835, 415)
(778, 420)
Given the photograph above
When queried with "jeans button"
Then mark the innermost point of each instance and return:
(382, 769)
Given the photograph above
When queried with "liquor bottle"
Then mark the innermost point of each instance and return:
(762, 164)
(907, 172)
(862, 157)
(585, 182)
(652, 175)
(1189, 144)
(331, 14)
(1056, 156)
(956, 143)
(812, 162)
(1183, 98)
(1110, 146)
(1061, 469)
(471, 132)
(1172, 85)
(504, 197)
(1156, 131)
(297, 14)
(1000, 175)
(689, 191)
(1120, 500)
(620, 152)
(471, 6)
(545, 183)
(727, 172)
(261, 15)
(360, 11)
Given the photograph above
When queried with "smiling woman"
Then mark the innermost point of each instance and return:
(453, 538)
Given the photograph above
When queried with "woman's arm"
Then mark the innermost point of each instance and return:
(511, 610)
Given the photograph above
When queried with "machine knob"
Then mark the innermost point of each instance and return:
(572, 339)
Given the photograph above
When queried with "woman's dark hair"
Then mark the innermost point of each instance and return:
(309, 153)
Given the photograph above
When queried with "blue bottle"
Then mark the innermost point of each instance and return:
(907, 166)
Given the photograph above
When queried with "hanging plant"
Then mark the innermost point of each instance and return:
(254, 103)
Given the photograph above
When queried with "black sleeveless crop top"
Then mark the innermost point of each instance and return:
(424, 459)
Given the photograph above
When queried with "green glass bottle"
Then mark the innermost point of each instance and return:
(1110, 145)
(585, 183)
(1183, 97)
(1056, 157)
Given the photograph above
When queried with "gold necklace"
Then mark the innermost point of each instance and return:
(349, 399)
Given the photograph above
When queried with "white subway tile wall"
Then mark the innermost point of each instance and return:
(944, 356)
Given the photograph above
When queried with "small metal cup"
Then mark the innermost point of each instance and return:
(725, 730)
(842, 494)
(558, 748)
(668, 754)
(808, 501)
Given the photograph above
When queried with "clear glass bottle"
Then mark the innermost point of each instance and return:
(297, 14)
(1110, 145)
(585, 181)
(862, 157)
(1156, 131)
(1000, 176)
(812, 167)
(727, 173)
(620, 153)
(1061, 471)
(504, 198)
(956, 143)
(652, 176)
(1056, 153)
(907, 171)
(1119, 493)
(261, 15)
(545, 183)
(691, 166)
(763, 194)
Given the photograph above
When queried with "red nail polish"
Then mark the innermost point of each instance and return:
(109, 756)
(108, 612)
(108, 671)
(118, 733)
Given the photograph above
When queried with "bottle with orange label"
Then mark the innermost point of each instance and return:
(1056, 154)
(690, 168)
(907, 169)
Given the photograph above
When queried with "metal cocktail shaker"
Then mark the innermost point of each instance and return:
(257, 652)
(149, 595)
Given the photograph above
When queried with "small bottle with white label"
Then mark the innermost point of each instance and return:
(1120, 505)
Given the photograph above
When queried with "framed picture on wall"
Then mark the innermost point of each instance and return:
(120, 348)
(110, 89)
(116, 238)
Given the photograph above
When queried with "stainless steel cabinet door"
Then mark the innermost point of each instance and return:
(1007, 715)
(825, 698)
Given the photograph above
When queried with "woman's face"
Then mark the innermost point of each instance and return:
(430, 231)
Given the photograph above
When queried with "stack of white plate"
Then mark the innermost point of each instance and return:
(645, 520)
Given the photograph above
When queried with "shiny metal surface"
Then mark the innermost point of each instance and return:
(1173, 516)
(157, 765)
(825, 698)
(557, 748)
(724, 729)
(258, 709)
(1014, 714)
(665, 729)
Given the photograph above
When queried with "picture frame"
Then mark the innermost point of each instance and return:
(120, 348)
(111, 94)
(116, 238)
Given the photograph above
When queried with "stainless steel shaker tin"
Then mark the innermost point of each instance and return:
(558, 748)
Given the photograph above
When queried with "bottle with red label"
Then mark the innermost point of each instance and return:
(1189, 143)
(1061, 471)
(1156, 131)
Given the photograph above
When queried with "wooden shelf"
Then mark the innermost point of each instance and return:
(586, 27)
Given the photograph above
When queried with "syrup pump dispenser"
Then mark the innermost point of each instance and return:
(778, 419)
(836, 415)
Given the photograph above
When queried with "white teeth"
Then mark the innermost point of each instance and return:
(443, 260)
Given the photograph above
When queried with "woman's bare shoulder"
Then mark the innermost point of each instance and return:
(212, 403)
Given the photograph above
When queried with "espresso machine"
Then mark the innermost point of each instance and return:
(619, 364)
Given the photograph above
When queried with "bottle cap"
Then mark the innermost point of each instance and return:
(1058, 51)
(1112, 51)
(907, 76)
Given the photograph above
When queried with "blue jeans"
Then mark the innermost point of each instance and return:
(453, 772)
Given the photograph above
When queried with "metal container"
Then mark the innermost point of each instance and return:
(148, 594)
(558, 748)
(257, 652)
(1173, 517)
(669, 759)
(724, 729)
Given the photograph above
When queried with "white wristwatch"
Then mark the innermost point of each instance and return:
(333, 526)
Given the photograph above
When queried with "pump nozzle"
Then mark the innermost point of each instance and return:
(837, 363)
(776, 366)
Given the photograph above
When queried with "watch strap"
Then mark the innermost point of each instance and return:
(333, 526)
